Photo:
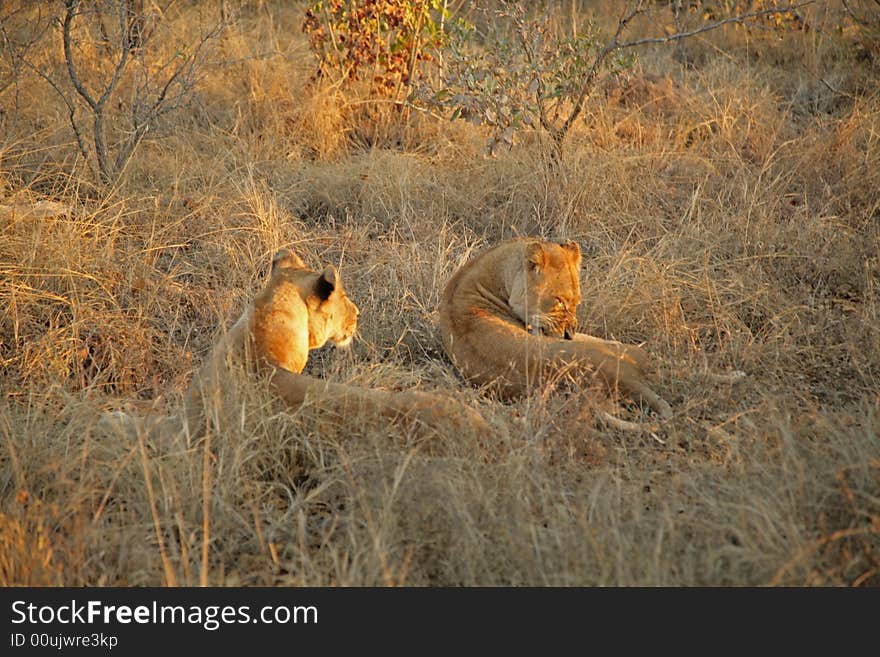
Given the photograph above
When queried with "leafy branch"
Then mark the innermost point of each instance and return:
(541, 79)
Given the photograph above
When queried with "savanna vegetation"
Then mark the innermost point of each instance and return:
(718, 163)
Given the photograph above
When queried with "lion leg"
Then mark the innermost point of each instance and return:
(629, 378)
(294, 388)
(193, 406)
(132, 426)
(438, 410)
(616, 363)
(630, 352)
(432, 410)
(640, 391)
(620, 374)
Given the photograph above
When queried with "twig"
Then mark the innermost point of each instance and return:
(145, 110)
(712, 26)
(97, 107)
(625, 425)
(559, 134)
(861, 20)
(123, 59)
(71, 114)
(523, 32)
(68, 56)
(413, 56)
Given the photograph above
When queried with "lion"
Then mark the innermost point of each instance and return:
(299, 310)
(508, 320)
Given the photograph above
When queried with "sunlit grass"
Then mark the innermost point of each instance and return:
(728, 216)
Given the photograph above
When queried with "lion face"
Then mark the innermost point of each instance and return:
(301, 309)
(333, 315)
(546, 296)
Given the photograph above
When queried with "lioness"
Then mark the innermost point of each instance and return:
(296, 311)
(299, 310)
(507, 318)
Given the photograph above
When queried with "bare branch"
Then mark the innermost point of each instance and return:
(712, 26)
(187, 64)
(615, 44)
(68, 56)
(523, 33)
(862, 20)
(14, 51)
(71, 112)
(164, 103)
(97, 109)
(587, 86)
(125, 45)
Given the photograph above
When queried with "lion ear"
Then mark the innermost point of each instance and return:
(573, 249)
(287, 258)
(327, 282)
(536, 256)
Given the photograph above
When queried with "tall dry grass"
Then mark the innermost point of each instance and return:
(728, 213)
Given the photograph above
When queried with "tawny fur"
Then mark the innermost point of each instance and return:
(507, 319)
(299, 310)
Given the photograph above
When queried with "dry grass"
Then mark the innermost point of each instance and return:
(730, 218)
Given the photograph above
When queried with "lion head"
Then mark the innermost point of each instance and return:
(546, 294)
(332, 315)
(298, 310)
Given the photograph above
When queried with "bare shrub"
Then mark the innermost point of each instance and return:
(124, 66)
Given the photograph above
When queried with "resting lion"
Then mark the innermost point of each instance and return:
(299, 310)
(507, 319)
